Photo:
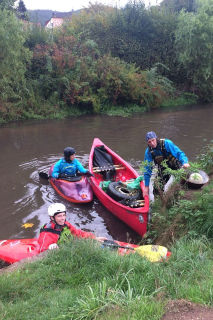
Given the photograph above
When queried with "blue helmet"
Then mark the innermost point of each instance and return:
(151, 135)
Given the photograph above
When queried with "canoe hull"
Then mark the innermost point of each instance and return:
(135, 218)
(77, 192)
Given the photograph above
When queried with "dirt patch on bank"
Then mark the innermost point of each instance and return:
(5, 267)
(186, 310)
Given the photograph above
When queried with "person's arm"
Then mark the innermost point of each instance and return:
(80, 167)
(148, 169)
(80, 233)
(177, 153)
(56, 169)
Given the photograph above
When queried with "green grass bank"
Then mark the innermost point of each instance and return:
(11, 112)
(84, 281)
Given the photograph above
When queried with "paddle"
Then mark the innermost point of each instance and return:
(153, 253)
(62, 176)
(43, 175)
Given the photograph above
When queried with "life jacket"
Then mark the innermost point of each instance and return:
(171, 161)
(61, 234)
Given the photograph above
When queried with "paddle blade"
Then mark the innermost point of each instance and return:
(153, 253)
(43, 175)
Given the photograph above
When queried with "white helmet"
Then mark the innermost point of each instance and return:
(56, 208)
(195, 178)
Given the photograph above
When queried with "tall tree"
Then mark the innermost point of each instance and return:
(22, 11)
(178, 5)
(7, 4)
(14, 58)
(194, 47)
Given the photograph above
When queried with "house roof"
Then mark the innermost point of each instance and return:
(54, 22)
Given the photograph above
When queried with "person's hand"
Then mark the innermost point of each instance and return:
(89, 174)
(101, 239)
(62, 176)
(53, 246)
(146, 191)
(186, 165)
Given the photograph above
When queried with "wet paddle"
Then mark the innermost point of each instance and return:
(153, 253)
(43, 175)
(62, 176)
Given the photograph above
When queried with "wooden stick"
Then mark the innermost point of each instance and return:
(128, 181)
(100, 169)
(110, 166)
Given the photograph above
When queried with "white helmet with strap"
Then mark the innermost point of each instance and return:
(56, 208)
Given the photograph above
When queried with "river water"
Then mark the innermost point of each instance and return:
(30, 147)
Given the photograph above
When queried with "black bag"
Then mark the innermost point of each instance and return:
(103, 160)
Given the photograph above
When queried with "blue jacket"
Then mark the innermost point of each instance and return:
(71, 168)
(171, 148)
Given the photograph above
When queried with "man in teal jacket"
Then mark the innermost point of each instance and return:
(69, 165)
(159, 150)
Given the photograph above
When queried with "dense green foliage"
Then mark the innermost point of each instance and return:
(7, 4)
(74, 73)
(195, 48)
(134, 34)
(13, 63)
(106, 60)
(178, 5)
(206, 158)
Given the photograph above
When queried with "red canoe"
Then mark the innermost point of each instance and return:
(134, 217)
(17, 249)
(78, 191)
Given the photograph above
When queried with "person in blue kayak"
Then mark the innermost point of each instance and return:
(69, 166)
(157, 151)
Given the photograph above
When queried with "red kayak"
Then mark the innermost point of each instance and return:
(106, 165)
(17, 249)
(78, 190)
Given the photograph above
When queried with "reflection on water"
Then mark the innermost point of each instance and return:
(27, 148)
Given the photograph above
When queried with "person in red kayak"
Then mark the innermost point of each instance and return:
(58, 230)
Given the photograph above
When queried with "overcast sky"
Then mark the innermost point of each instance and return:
(69, 5)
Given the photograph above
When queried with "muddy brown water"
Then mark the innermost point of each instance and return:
(30, 147)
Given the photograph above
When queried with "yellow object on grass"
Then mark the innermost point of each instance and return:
(153, 253)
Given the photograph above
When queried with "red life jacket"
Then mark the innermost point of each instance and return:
(51, 232)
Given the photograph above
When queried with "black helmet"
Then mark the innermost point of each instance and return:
(68, 151)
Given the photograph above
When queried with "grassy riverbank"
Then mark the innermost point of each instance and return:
(84, 281)
(42, 112)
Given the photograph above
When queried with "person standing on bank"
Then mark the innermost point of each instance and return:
(159, 150)
(68, 165)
